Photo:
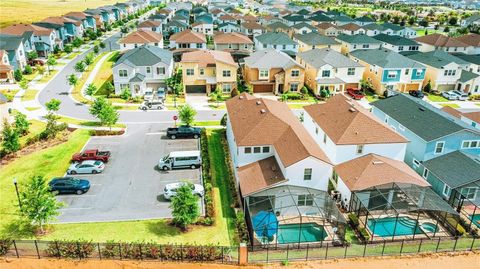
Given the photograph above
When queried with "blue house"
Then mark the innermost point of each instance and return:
(59, 28)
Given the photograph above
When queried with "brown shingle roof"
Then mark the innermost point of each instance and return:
(259, 175)
(164, 11)
(188, 36)
(326, 25)
(19, 29)
(141, 36)
(61, 20)
(252, 25)
(470, 39)
(258, 121)
(347, 123)
(374, 170)
(452, 111)
(475, 116)
(231, 38)
(76, 14)
(149, 23)
(250, 18)
(439, 40)
(350, 27)
(227, 17)
(208, 57)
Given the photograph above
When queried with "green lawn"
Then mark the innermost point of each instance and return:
(451, 105)
(85, 122)
(29, 95)
(32, 108)
(207, 123)
(9, 94)
(76, 94)
(297, 106)
(105, 73)
(169, 100)
(47, 76)
(370, 96)
(31, 76)
(437, 98)
(49, 162)
(35, 128)
(421, 32)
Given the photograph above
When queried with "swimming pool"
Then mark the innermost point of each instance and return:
(385, 227)
(306, 232)
(476, 219)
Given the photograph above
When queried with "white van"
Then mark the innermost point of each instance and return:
(181, 159)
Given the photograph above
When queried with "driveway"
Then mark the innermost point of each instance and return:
(131, 187)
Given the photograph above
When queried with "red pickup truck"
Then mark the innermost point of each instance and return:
(91, 154)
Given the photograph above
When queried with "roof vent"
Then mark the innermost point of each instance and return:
(421, 108)
(352, 109)
(377, 162)
(258, 102)
(263, 111)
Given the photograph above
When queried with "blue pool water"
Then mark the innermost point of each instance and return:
(307, 232)
(476, 219)
(405, 226)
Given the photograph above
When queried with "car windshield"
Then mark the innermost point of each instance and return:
(97, 163)
(165, 158)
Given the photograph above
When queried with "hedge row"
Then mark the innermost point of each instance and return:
(207, 180)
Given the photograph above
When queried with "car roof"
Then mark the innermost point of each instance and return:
(92, 162)
(185, 153)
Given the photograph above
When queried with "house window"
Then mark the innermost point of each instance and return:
(199, 45)
(256, 149)
(264, 46)
(366, 46)
(425, 173)
(439, 147)
(446, 190)
(122, 73)
(307, 174)
(354, 46)
(226, 73)
(469, 192)
(416, 163)
(386, 119)
(265, 149)
(400, 48)
(295, 73)
(359, 149)
(294, 87)
(419, 73)
(226, 88)
(124, 86)
(351, 71)
(326, 73)
(324, 138)
(392, 74)
(305, 200)
(229, 46)
(202, 71)
(316, 130)
(190, 72)
(263, 74)
(407, 71)
(468, 144)
(248, 150)
(160, 70)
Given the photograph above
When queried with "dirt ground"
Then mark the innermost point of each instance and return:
(437, 261)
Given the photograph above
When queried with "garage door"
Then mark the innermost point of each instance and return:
(263, 88)
(196, 89)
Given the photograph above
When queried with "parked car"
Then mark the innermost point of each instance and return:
(461, 95)
(36, 62)
(183, 132)
(86, 167)
(450, 95)
(170, 190)
(147, 105)
(416, 93)
(355, 93)
(180, 159)
(69, 185)
(92, 154)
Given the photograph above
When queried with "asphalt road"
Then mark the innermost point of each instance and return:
(131, 187)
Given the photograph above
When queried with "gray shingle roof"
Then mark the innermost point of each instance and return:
(385, 58)
(436, 58)
(275, 39)
(364, 19)
(426, 121)
(467, 76)
(392, 26)
(321, 18)
(474, 59)
(358, 39)
(396, 40)
(270, 58)
(9, 42)
(278, 25)
(320, 57)
(314, 38)
(145, 56)
(456, 169)
(304, 24)
(137, 78)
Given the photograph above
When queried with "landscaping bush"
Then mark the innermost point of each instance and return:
(28, 70)
(5, 244)
(474, 97)
(207, 180)
(353, 220)
(231, 179)
(111, 250)
(223, 121)
(364, 233)
(241, 226)
(293, 96)
(106, 132)
(70, 249)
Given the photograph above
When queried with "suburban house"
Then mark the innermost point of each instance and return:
(328, 29)
(173, 27)
(270, 147)
(239, 45)
(341, 19)
(87, 20)
(6, 70)
(279, 27)
(34, 37)
(364, 20)
(227, 18)
(62, 37)
(397, 43)
(142, 70)
(206, 70)
(273, 71)
(252, 29)
(374, 29)
(151, 25)
(203, 27)
(470, 118)
(303, 28)
(345, 130)
(319, 19)
(228, 27)
(352, 29)
(356, 42)
(473, 42)
(473, 20)
(327, 69)
(73, 28)
(431, 132)
(188, 39)
(181, 18)
(293, 19)
(314, 40)
(399, 30)
(441, 42)
(13, 46)
(139, 38)
(278, 41)
(444, 71)
(389, 71)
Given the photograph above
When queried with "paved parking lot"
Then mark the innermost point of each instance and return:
(131, 186)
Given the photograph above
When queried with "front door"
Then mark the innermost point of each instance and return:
(280, 88)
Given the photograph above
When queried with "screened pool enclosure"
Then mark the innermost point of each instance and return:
(403, 211)
(293, 215)
(466, 201)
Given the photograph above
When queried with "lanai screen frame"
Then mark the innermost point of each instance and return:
(432, 205)
(458, 201)
(323, 209)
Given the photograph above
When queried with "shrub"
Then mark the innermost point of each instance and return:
(28, 70)
(241, 226)
(223, 121)
(5, 244)
(18, 75)
(68, 48)
(353, 219)
(364, 233)
(474, 97)
(106, 132)
(111, 250)
(70, 249)
(293, 96)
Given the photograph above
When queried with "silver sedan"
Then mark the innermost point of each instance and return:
(86, 167)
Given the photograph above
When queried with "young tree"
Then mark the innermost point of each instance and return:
(126, 94)
(109, 88)
(97, 106)
(28, 70)
(23, 84)
(77, 42)
(72, 80)
(32, 55)
(108, 116)
(79, 66)
(90, 90)
(217, 95)
(68, 48)
(10, 142)
(40, 69)
(21, 123)
(453, 20)
(428, 87)
(18, 75)
(53, 105)
(39, 205)
(89, 59)
(187, 114)
(102, 45)
(51, 129)
(96, 49)
(51, 61)
(446, 29)
(185, 209)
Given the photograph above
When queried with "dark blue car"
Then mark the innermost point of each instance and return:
(69, 185)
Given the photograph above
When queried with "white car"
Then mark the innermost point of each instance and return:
(461, 95)
(450, 95)
(171, 189)
(86, 167)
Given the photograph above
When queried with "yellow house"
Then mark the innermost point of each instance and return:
(273, 71)
(314, 40)
(204, 70)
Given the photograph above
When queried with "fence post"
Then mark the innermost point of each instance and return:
(16, 250)
(58, 249)
(401, 247)
(438, 244)
(120, 250)
(471, 246)
(268, 246)
(99, 252)
(288, 249)
(306, 255)
(78, 250)
(181, 253)
(36, 247)
(222, 254)
(141, 253)
(383, 248)
(326, 252)
(365, 249)
(420, 246)
(455, 245)
(345, 254)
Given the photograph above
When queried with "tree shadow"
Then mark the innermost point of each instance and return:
(18, 229)
(163, 228)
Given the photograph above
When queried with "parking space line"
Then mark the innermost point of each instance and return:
(75, 208)
(157, 133)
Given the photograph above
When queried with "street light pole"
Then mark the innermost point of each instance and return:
(18, 194)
